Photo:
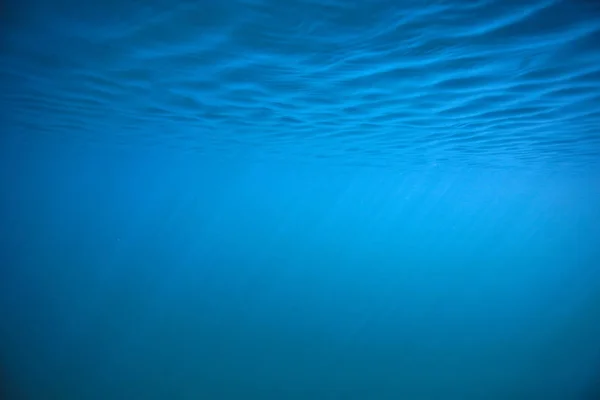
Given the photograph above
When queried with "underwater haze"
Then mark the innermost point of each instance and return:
(300, 199)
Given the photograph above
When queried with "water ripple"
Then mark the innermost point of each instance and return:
(380, 82)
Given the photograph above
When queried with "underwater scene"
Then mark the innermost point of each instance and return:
(300, 199)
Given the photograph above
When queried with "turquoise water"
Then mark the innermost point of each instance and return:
(300, 200)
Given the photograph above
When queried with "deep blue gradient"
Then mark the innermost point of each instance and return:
(300, 199)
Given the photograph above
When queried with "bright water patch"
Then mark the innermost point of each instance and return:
(379, 82)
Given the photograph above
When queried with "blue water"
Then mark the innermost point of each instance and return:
(300, 199)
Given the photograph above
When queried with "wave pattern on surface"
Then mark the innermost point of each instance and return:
(486, 82)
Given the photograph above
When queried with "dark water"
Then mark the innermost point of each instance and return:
(300, 199)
